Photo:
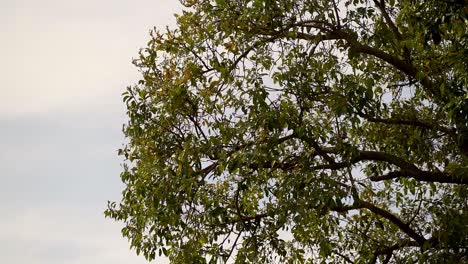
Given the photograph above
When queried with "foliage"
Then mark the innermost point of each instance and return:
(301, 131)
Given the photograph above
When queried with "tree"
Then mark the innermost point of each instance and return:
(300, 131)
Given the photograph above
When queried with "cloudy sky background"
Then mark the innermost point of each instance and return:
(63, 67)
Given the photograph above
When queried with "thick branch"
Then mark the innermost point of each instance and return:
(337, 16)
(412, 122)
(385, 214)
(395, 220)
(408, 169)
(381, 6)
(424, 176)
(363, 155)
(389, 250)
(401, 65)
(386, 157)
(353, 43)
(347, 259)
(245, 220)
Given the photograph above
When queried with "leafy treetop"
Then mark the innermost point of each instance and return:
(300, 131)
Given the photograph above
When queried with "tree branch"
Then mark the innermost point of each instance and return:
(389, 250)
(395, 220)
(386, 157)
(413, 122)
(337, 17)
(405, 228)
(381, 6)
(402, 65)
(424, 176)
(408, 169)
(347, 259)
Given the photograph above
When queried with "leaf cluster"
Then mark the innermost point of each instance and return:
(306, 131)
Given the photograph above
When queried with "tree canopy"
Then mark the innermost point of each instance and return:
(300, 131)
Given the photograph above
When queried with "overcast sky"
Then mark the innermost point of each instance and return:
(63, 67)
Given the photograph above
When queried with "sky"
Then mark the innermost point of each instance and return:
(63, 67)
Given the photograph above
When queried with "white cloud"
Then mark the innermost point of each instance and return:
(68, 53)
(63, 234)
(64, 65)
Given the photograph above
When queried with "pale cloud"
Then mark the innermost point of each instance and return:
(64, 65)
(63, 234)
(66, 53)
(54, 156)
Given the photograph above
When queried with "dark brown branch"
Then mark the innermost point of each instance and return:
(354, 44)
(359, 47)
(207, 68)
(333, 166)
(322, 152)
(234, 244)
(395, 220)
(313, 23)
(424, 176)
(272, 37)
(344, 208)
(402, 65)
(332, 31)
(244, 219)
(387, 258)
(386, 157)
(388, 251)
(315, 38)
(337, 17)
(408, 169)
(343, 257)
(258, 142)
(381, 6)
(209, 168)
(363, 155)
(412, 122)
(359, 204)
(416, 213)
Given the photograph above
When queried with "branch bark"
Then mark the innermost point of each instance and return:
(389, 250)
(424, 176)
(395, 220)
(381, 6)
(409, 122)
(405, 228)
